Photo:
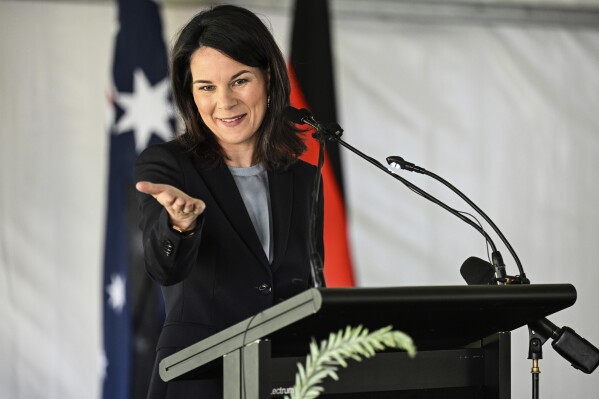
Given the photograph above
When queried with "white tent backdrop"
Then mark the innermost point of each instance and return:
(507, 113)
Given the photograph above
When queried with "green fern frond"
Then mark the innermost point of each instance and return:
(352, 343)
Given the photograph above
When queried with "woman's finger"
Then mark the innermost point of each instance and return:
(199, 207)
(189, 207)
(147, 187)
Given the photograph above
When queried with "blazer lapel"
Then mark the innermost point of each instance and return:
(222, 186)
(281, 200)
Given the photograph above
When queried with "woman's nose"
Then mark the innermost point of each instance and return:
(226, 100)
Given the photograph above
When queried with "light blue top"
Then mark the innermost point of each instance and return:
(252, 183)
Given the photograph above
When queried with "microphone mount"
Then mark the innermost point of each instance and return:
(581, 354)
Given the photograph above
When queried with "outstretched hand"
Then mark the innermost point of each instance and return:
(183, 210)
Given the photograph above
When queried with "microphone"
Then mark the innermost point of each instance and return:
(304, 117)
(297, 116)
(397, 161)
(477, 271)
(581, 354)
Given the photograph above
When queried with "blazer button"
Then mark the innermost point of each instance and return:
(167, 247)
(264, 289)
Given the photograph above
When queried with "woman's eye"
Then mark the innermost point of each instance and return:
(239, 82)
(206, 88)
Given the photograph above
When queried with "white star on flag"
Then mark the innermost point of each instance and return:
(102, 365)
(116, 292)
(147, 110)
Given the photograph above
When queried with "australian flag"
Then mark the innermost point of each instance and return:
(141, 114)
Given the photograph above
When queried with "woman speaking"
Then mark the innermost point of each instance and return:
(226, 205)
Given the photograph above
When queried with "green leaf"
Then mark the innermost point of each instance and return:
(349, 343)
(340, 360)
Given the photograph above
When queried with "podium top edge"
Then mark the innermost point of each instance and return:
(562, 294)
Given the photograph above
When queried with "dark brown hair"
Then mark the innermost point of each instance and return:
(242, 36)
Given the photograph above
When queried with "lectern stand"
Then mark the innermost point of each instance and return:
(462, 335)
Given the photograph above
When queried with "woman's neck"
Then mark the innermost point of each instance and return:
(240, 159)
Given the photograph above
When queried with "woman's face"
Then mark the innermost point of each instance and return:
(230, 97)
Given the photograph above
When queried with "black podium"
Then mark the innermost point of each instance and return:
(461, 332)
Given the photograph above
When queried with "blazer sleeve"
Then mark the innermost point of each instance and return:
(168, 256)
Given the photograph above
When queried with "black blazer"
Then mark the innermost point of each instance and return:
(221, 275)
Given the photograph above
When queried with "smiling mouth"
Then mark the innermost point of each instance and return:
(231, 120)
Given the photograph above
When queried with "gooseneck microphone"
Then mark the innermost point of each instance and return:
(333, 132)
(398, 162)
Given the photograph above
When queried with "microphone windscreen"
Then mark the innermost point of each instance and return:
(477, 271)
(295, 115)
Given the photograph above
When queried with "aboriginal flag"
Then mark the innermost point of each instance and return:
(312, 87)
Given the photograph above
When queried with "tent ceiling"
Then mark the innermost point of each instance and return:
(573, 13)
(582, 13)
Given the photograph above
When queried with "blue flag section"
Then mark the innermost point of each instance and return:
(142, 115)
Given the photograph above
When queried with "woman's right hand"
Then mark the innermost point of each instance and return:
(183, 210)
